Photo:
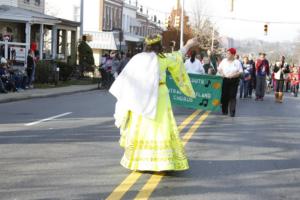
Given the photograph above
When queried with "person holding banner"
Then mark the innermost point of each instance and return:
(231, 70)
(193, 65)
(149, 134)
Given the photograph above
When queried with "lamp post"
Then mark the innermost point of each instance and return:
(212, 39)
(81, 17)
(182, 23)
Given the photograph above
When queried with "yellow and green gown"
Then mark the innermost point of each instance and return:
(154, 144)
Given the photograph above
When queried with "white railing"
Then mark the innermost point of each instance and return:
(20, 50)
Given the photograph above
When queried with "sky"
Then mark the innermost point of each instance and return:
(256, 12)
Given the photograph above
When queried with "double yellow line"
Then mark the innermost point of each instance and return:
(154, 180)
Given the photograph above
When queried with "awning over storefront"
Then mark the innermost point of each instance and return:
(102, 40)
(133, 38)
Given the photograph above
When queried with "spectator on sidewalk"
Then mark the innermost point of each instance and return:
(245, 81)
(30, 68)
(115, 65)
(110, 66)
(295, 78)
(20, 78)
(262, 71)
(103, 70)
(124, 60)
(193, 65)
(2, 86)
(231, 70)
(86, 56)
(6, 77)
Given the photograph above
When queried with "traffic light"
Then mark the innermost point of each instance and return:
(266, 29)
(177, 22)
(167, 22)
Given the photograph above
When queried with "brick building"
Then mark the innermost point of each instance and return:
(112, 16)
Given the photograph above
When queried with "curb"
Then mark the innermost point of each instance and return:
(37, 96)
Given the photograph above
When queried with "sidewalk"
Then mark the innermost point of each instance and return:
(42, 93)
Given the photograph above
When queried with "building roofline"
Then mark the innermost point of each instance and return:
(10, 13)
(133, 7)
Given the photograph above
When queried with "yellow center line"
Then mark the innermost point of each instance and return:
(132, 178)
(195, 126)
(154, 180)
(121, 190)
(150, 186)
(188, 120)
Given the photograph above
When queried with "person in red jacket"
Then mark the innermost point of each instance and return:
(295, 79)
(262, 71)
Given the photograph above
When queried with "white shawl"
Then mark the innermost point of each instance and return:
(136, 88)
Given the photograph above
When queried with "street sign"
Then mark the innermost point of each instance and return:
(208, 91)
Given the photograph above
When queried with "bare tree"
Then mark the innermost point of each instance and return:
(296, 52)
(199, 19)
(202, 26)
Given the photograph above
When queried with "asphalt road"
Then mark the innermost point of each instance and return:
(67, 148)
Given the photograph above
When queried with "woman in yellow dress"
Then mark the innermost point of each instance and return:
(149, 134)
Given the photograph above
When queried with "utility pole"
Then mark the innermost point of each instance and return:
(231, 5)
(182, 23)
(81, 17)
(212, 39)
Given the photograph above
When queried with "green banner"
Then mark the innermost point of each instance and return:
(208, 91)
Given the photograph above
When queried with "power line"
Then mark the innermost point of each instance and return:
(219, 17)
(253, 20)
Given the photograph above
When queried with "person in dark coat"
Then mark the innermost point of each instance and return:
(30, 67)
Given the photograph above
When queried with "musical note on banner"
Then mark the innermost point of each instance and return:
(207, 84)
(204, 103)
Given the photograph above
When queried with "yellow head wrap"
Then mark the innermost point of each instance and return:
(155, 40)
